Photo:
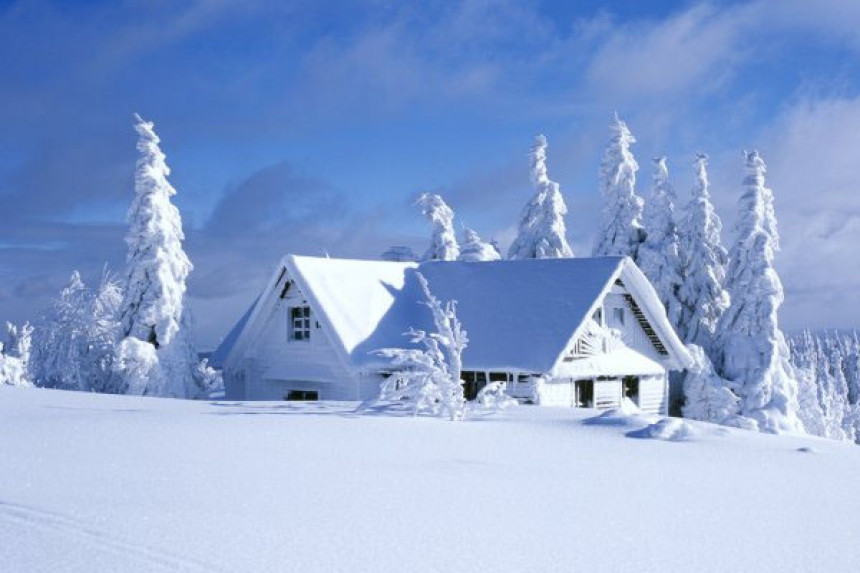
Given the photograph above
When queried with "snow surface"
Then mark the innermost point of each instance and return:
(97, 483)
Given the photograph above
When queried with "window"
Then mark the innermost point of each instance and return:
(302, 396)
(300, 323)
(598, 316)
(499, 377)
(618, 315)
(473, 382)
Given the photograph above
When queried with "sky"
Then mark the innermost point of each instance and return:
(311, 127)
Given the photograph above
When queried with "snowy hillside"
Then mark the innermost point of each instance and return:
(95, 483)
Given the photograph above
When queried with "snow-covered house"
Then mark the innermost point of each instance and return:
(562, 332)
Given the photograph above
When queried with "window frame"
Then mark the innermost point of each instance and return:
(618, 315)
(299, 323)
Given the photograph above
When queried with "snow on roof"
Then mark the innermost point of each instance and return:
(520, 315)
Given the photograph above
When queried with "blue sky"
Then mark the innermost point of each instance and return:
(310, 127)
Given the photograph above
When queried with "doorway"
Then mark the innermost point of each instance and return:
(583, 391)
(630, 388)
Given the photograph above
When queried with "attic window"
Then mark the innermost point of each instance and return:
(618, 316)
(287, 286)
(300, 323)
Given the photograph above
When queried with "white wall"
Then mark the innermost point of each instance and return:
(273, 364)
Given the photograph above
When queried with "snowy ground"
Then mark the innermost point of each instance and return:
(92, 483)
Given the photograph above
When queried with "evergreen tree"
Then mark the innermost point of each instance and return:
(154, 309)
(61, 339)
(474, 249)
(659, 256)
(703, 257)
(443, 244)
(541, 228)
(754, 354)
(621, 230)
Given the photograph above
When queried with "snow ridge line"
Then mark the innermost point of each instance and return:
(167, 560)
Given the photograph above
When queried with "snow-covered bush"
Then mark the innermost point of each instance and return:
(137, 363)
(702, 294)
(621, 231)
(74, 344)
(15, 356)
(541, 228)
(443, 243)
(752, 349)
(474, 249)
(659, 256)
(493, 398)
(536, 386)
(709, 398)
(428, 378)
(211, 380)
(61, 339)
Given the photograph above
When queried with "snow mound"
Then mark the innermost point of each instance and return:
(628, 414)
(669, 429)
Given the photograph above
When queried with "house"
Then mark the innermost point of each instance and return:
(591, 330)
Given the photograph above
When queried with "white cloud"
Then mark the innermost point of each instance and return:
(813, 169)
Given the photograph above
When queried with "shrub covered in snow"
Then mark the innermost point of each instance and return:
(15, 356)
(428, 378)
(493, 398)
(541, 228)
(708, 397)
(473, 248)
(137, 363)
(75, 343)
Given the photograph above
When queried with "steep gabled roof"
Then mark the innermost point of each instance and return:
(520, 315)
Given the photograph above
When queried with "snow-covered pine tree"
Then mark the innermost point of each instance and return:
(839, 389)
(103, 335)
(443, 243)
(473, 248)
(541, 229)
(15, 356)
(753, 351)
(61, 342)
(704, 259)
(154, 309)
(621, 230)
(828, 395)
(852, 368)
(804, 361)
(659, 256)
(429, 378)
